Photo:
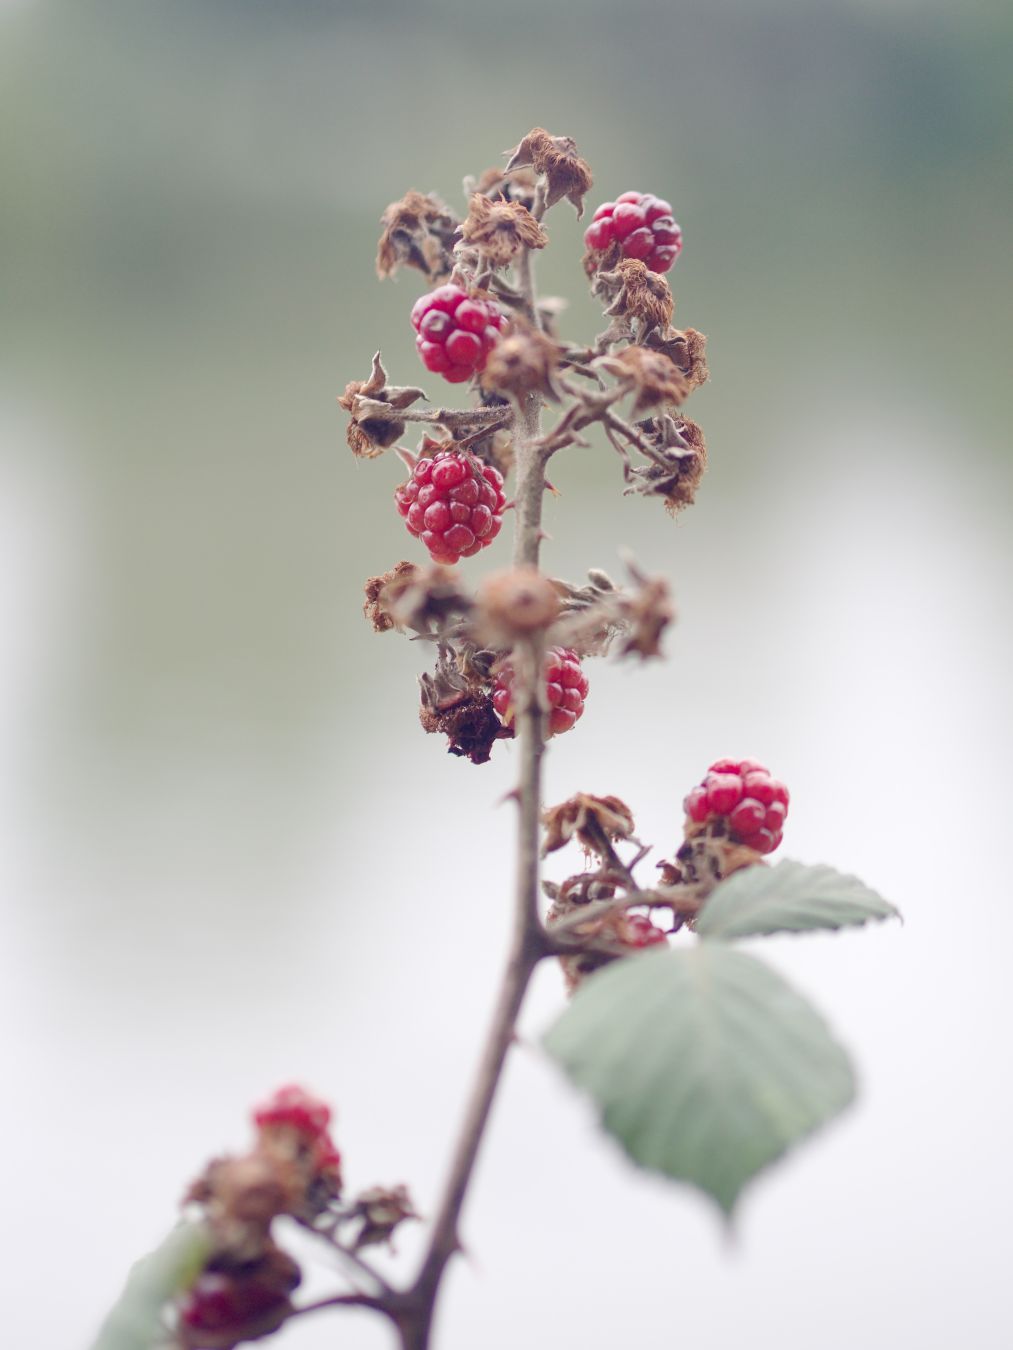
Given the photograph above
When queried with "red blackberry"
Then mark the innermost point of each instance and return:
(742, 792)
(566, 688)
(456, 332)
(453, 503)
(642, 224)
(297, 1108)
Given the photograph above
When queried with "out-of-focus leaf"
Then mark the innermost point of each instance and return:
(789, 898)
(135, 1322)
(704, 1063)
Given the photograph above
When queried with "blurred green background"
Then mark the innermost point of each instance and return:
(213, 783)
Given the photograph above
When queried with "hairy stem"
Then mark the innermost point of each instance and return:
(413, 1311)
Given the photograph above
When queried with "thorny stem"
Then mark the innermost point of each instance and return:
(455, 417)
(413, 1310)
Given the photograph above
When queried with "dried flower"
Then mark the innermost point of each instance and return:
(587, 818)
(470, 725)
(677, 451)
(687, 348)
(514, 604)
(637, 293)
(524, 362)
(374, 607)
(516, 186)
(374, 427)
(501, 229)
(649, 611)
(422, 599)
(655, 380)
(556, 157)
(418, 231)
(380, 1210)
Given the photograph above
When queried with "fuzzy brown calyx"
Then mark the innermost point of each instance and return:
(373, 405)
(677, 455)
(654, 380)
(501, 230)
(418, 231)
(514, 604)
(636, 292)
(588, 819)
(687, 348)
(523, 362)
(555, 157)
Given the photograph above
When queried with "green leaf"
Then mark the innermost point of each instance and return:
(704, 1063)
(135, 1322)
(788, 898)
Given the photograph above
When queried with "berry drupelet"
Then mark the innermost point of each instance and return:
(454, 503)
(456, 332)
(566, 688)
(743, 793)
(642, 225)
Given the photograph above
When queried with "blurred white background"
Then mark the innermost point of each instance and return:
(230, 858)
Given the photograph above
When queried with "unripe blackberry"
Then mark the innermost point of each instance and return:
(452, 502)
(642, 225)
(456, 332)
(566, 687)
(743, 793)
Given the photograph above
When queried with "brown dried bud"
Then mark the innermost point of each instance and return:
(416, 598)
(501, 229)
(518, 186)
(523, 362)
(556, 157)
(688, 349)
(677, 452)
(513, 604)
(380, 1211)
(649, 612)
(587, 818)
(375, 608)
(418, 231)
(637, 293)
(374, 426)
(655, 380)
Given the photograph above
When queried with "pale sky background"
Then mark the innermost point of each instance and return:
(228, 855)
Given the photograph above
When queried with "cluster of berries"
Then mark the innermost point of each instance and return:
(239, 1298)
(566, 687)
(742, 793)
(456, 331)
(642, 225)
(454, 503)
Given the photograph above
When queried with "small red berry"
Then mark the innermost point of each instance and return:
(452, 502)
(566, 688)
(295, 1107)
(642, 224)
(742, 792)
(455, 331)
